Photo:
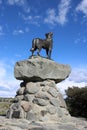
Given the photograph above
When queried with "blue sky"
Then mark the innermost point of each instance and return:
(23, 20)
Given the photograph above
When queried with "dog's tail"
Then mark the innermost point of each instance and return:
(33, 45)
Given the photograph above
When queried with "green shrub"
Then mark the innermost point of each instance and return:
(77, 101)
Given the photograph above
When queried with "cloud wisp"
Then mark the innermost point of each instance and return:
(77, 78)
(8, 84)
(16, 32)
(82, 7)
(29, 19)
(20, 3)
(63, 11)
(60, 18)
(79, 75)
(1, 31)
(20, 31)
(51, 17)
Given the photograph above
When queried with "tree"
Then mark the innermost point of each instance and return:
(77, 101)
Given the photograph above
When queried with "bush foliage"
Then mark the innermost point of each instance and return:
(77, 101)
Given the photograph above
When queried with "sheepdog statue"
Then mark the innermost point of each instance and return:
(47, 44)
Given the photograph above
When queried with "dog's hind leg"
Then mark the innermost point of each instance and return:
(38, 52)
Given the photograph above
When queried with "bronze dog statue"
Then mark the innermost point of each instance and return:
(46, 44)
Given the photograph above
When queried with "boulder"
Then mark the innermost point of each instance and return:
(40, 69)
(38, 99)
(39, 106)
(25, 105)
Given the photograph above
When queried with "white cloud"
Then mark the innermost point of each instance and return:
(8, 87)
(79, 75)
(16, 32)
(81, 40)
(51, 17)
(20, 3)
(63, 10)
(2, 71)
(35, 20)
(8, 84)
(78, 78)
(68, 83)
(1, 30)
(26, 18)
(21, 31)
(82, 7)
(61, 17)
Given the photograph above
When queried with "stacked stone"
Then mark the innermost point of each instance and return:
(38, 99)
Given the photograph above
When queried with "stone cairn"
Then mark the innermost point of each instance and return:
(38, 99)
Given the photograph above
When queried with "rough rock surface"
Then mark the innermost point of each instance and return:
(40, 69)
(39, 102)
(23, 124)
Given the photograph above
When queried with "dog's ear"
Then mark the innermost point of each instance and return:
(51, 33)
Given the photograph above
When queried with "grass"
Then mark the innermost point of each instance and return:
(4, 106)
